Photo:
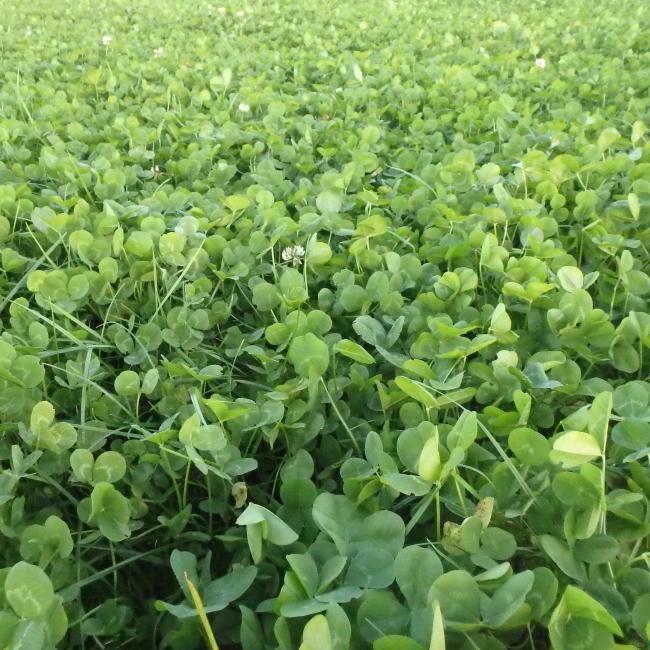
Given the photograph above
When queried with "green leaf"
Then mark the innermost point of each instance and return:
(306, 571)
(309, 355)
(44, 542)
(251, 633)
(266, 296)
(641, 614)
(108, 510)
(429, 465)
(631, 400)
(30, 635)
(204, 437)
(340, 628)
(597, 549)
(381, 614)
(329, 201)
(42, 417)
(406, 484)
(528, 446)
(459, 597)
(563, 557)
(570, 278)
(396, 642)
(635, 205)
(28, 590)
(221, 592)
(582, 605)
(417, 391)
(370, 567)
(598, 418)
(416, 569)
(109, 467)
(353, 351)
(464, 431)
(127, 383)
(470, 533)
(82, 463)
(498, 544)
(508, 598)
(543, 592)
(236, 202)
(274, 529)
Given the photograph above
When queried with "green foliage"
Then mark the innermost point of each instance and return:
(327, 329)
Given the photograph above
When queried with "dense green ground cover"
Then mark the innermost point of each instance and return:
(334, 315)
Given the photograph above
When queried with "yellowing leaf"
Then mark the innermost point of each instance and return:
(574, 448)
(437, 629)
(203, 617)
(316, 635)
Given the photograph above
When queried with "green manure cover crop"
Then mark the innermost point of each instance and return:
(324, 327)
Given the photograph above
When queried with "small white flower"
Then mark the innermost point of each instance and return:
(239, 14)
(339, 90)
(293, 254)
(540, 63)
(244, 108)
(222, 11)
(106, 40)
(555, 143)
(158, 52)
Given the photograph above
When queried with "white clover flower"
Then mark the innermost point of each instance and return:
(106, 40)
(158, 52)
(293, 254)
(540, 63)
(244, 108)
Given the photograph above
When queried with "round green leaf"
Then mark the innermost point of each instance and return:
(498, 544)
(458, 595)
(127, 383)
(28, 590)
(309, 356)
(529, 446)
(109, 467)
